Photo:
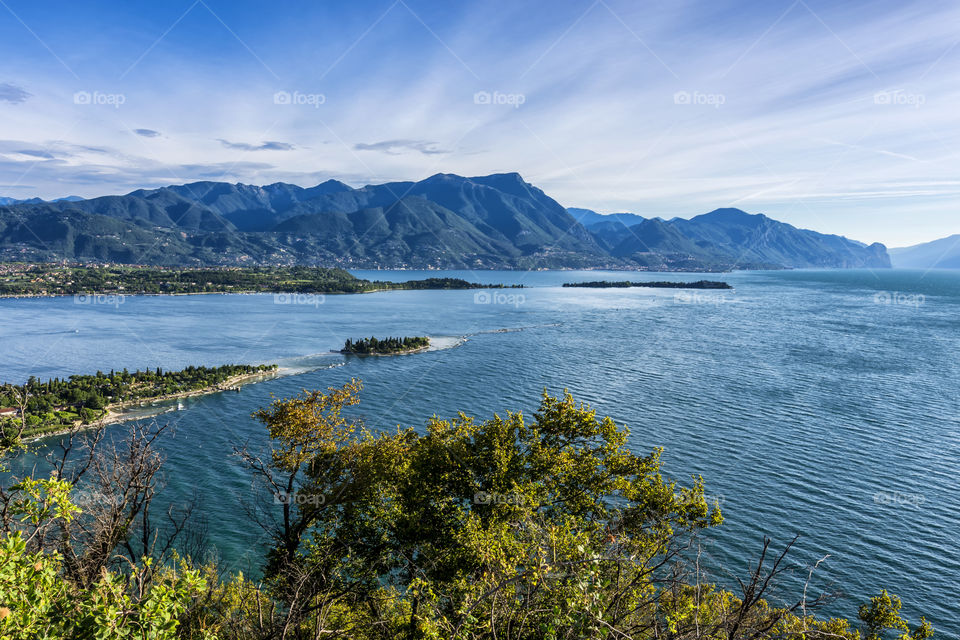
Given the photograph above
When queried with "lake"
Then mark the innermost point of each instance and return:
(823, 403)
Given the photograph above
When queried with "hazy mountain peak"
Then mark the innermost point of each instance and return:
(731, 214)
(335, 184)
(511, 177)
(508, 178)
(443, 177)
(6, 201)
(936, 254)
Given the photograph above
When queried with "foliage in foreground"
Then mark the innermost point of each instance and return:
(514, 527)
(549, 527)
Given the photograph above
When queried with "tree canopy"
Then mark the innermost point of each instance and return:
(374, 345)
(515, 527)
(547, 526)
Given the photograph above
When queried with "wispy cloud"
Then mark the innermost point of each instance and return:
(269, 145)
(147, 133)
(12, 93)
(396, 147)
(36, 153)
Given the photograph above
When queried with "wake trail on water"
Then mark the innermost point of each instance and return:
(514, 329)
(297, 365)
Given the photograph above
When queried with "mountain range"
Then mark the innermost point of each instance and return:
(444, 221)
(938, 254)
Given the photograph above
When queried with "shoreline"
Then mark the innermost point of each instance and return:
(121, 294)
(207, 293)
(124, 294)
(115, 413)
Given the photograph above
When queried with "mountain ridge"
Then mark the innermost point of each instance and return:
(442, 221)
(942, 253)
(729, 236)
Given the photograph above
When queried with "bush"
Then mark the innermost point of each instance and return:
(536, 528)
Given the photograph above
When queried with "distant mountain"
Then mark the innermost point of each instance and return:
(444, 221)
(937, 254)
(725, 239)
(607, 229)
(588, 218)
(657, 244)
(8, 201)
(757, 239)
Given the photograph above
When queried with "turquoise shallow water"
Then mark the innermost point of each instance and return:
(823, 403)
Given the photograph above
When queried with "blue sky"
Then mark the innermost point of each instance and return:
(841, 117)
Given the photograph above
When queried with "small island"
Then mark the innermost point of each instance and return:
(39, 408)
(606, 284)
(385, 346)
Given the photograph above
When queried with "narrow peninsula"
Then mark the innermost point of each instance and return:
(41, 408)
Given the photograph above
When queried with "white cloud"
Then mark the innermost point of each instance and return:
(269, 145)
(395, 147)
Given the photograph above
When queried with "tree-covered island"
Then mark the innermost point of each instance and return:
(385, 346)
(39, 407)
(19, 279)
(606, 284)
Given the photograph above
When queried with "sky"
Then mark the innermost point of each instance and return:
(838, 117)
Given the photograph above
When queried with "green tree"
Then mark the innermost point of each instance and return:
(882, 614)
(513, 527)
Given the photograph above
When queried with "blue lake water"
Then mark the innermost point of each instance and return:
(823, 403)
